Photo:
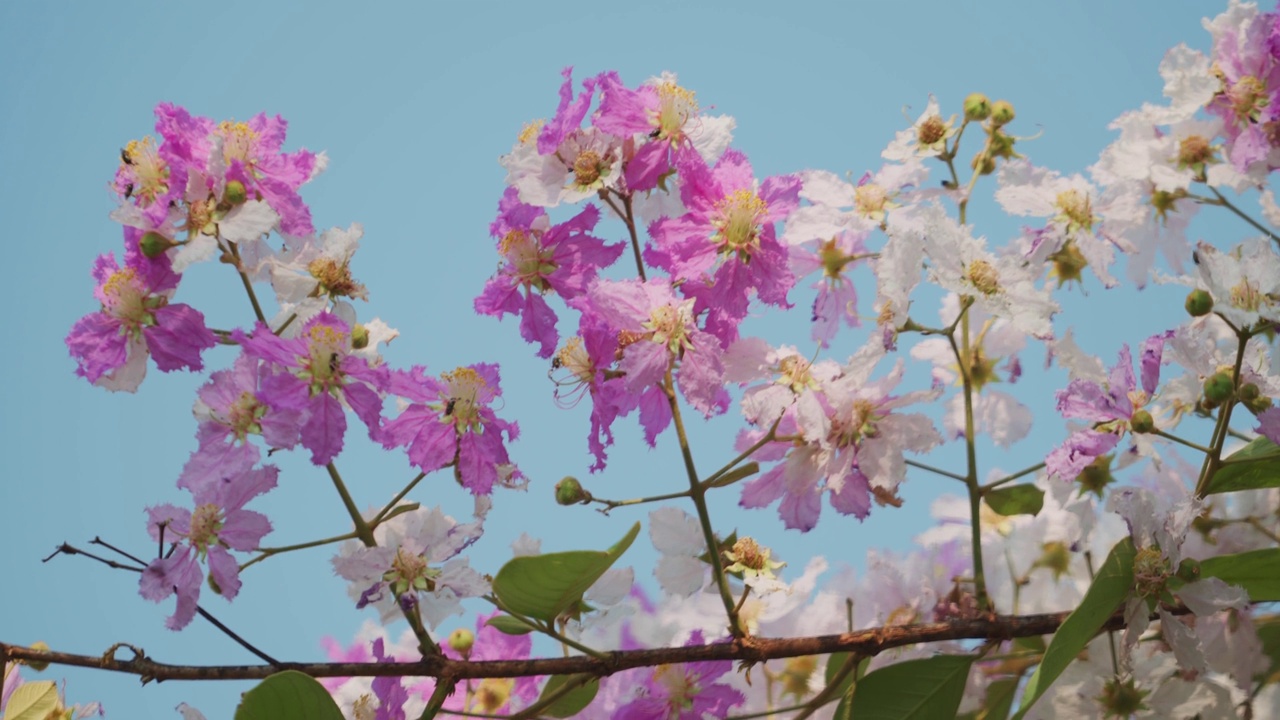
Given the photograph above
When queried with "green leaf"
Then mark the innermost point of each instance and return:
(544, 586)
(1015, 500)
(1257, 571)
(1253, 467)
(999, 700)
(508, 625)
(835, 661)
(32, 701)
(288, 695)
(1269, 633)
(913, 690)
(571, 703)
(1109, 589)
(736, 474)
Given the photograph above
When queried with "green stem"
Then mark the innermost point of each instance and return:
(828, 693)
(444, 688)
(698, 493)
(934, 470)
(962, 354)
(611, 504)
(1180, 441)
(1010, 478)
(382, 514)
(1224, 202)
(544, 629)
(248, 286)
(1213, 459)
(363, 531)
(268, 552)
(768, 438)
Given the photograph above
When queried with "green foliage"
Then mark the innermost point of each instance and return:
(1109, 590)
(1253, 467)
(288, 695)
(1257, 571)
(545, 586)
(571, 703)
(913, 690)
(1015, 499)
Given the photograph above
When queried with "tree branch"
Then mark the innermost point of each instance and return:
(751, 650)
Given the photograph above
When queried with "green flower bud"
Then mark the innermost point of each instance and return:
(234, 193)
(1189, 570)
(1199, 303)
(1142, 422)
(1001, 113)
(461, 640)
(983, 164)
(569, 492)
(1122, 698)
(153, 244)
(359, 337)
(38, 665)
(1218, 388)
(977, 107)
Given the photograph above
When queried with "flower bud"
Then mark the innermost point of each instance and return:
(461, 641)
(977, 107)
(1142, 422)
(234, 193)
(1001, 112)
(1189, 570)
(1218, 387)
(569, 492)
(359, 337)
(1199, 303)
(38, 665)
(983, 163)
(153, 244)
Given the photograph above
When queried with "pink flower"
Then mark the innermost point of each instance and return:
(319, 372)
(218, 523)
(1109, 405)
(541, 258)
(657, 333)
(449, 422)
(584, 367)
(246, 152)
(136, 321)
(726, 245)
(230, 410)
(683, 692)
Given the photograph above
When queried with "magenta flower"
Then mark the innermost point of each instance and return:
(1109, 405)
(230, 410)
(218, 523)
(853, 445)
(318, 372)
(837, 299)
(247, 152)
(683, 692)
(1246, 58)
(583, 368)
(663, 118)
(449, 422)
(541, 258)
(657, 331)
(569, 113)
(726, 245)
(147, 178)
(136, 321)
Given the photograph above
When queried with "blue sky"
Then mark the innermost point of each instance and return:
(414, 103)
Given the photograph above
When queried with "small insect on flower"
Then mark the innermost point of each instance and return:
(448, 409)
(334, 359)
(124, 157)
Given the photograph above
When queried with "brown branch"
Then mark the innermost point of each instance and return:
(751, 650)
